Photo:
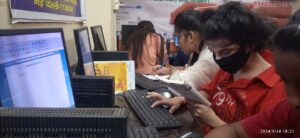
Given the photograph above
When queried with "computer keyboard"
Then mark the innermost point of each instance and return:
(143, 132)
(148, 84)
(158, 117)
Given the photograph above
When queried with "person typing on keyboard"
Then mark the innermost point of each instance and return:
(247, 82)
(282, 120)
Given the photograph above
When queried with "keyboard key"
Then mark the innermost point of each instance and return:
(148, 84)
(158, 117)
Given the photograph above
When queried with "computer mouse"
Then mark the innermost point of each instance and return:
(166, 94)
(190, 134)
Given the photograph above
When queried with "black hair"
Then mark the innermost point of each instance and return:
(287, 38)
(236, 23)
(191, 20)
(188, 20)
(206, 15)
(295, 18)
(145, 25)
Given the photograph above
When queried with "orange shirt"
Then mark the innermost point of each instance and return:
(235, 100)
(151, 52)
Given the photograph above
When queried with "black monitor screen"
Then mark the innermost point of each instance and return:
(34, 69)
(98, 38)
(83, 46)
(127, 30)
(110, 55)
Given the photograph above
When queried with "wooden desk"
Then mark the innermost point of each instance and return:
(182, 115)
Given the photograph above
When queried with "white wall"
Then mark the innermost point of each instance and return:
(98, 12)
(296, 6)
(101, 12)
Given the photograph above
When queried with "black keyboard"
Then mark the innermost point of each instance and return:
(158, 117)
(143, 132)
(147, 84)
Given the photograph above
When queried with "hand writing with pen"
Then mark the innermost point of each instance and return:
(162, 70)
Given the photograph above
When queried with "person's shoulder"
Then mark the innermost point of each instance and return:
(153, 36)
(284, 109)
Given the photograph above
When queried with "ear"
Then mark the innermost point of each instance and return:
(192, 36)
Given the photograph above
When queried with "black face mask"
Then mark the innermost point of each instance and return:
(233, 62)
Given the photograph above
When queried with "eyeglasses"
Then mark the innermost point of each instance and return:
(176, 40)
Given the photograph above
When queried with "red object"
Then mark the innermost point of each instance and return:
(235, 100)
(188, 6)
(281, 121)
(279, 13)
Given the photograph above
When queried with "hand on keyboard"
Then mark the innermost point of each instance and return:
(158, 117)
(154, 95)
(174, 102)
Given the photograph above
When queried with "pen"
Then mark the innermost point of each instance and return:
(161, 66)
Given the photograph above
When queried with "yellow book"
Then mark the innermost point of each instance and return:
(123, 71)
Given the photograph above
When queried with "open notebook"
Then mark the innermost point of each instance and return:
(165, 78)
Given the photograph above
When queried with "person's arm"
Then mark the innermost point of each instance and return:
(201, 9)
(201, 72)
(234, 130)
(205, 113)
(279, 14)
(187, 6)
(275, 12)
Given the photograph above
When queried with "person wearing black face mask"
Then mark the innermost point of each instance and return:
(247, 82)
(233, 62)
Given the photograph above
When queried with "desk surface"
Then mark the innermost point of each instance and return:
(182, 115)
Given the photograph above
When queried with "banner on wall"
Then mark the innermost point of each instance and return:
(158, 12)
(47, 10)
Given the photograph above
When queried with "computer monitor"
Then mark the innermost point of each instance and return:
(127, 30)
(85, 64)
(98, 38)
(34, 69)
(110, 55)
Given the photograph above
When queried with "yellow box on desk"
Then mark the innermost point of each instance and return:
(123, 71)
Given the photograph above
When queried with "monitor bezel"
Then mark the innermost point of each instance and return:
(27, 31)
(123, 35)
(80, 66)
(93, 30)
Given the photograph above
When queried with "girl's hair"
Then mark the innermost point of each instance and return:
(234, 22)
(295, 19)
(192, 20)
(287, 38)
(188, 20)
(137, 39)
(145, 25)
